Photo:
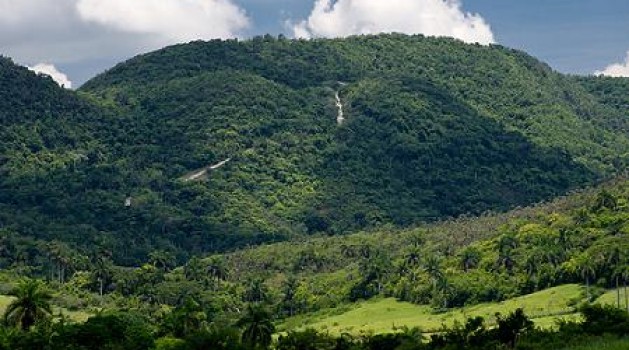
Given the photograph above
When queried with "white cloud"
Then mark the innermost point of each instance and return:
(173, 20)
(616, 69)
(53, 72)
(429, 17)
(86, 36)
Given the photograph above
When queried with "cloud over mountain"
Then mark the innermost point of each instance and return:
(616, 69)
(72, 32)
(429, 17)
(54, 73)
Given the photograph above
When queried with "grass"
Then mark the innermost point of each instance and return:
(603, 344)
(610, 297)
(78, 316)
(383, 315)
(4, 302)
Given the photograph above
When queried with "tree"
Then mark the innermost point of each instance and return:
(587, 270)
(193, 270)
(625, 277)
(469, 259)
(102, 272)
(506, 245)
(185, 319)
(162, 259)
(413, 256)
(289, 304)
(511, 327)
(217, 269)
(257, 291)
(605, 200)
(258, 327)
(432, 266)
(32, 304)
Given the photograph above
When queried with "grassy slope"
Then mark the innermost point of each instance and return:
(382, 315)
(78, 316)
(610, 297)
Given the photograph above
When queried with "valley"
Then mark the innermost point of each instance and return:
(207, 191)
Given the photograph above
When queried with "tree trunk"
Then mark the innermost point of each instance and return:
(626, 297)
(617, 293)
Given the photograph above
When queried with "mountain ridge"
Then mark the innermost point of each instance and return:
(432, 128)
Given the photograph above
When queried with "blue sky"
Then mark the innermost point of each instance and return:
(84, 37)
(573, 36)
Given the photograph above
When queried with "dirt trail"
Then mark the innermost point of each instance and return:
(200, 173)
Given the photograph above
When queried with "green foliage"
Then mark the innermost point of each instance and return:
(434, 128)
(110, 331)
(31, 305)
(258, 327)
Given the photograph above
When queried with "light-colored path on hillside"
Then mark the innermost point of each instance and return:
(200, 173)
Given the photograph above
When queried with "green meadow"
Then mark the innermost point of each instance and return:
(386, 314)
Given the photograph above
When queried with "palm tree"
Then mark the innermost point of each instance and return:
(605, 200)
(625, 277)
(162, 259)
(257, 291)
(31, 305)
(469, 259)
(258, 327)
(413, 256)
(587, 271)
(505, 258)
(217, 269)
(102, 272)
(432, 266)
(193, 270)
(531, 266)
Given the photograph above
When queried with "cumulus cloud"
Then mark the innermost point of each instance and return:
(341, 18)
(616, 69)
(54, 73)
(177, 20)
(86, 36)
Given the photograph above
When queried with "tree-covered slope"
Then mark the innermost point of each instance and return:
(613, 93)
(214, 145)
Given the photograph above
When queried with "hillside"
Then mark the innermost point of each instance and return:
(211, 146)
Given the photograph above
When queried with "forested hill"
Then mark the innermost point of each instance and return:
(219, 144)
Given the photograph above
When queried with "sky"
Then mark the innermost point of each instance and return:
(73, 40)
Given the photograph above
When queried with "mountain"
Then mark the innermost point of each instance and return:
(210, 146)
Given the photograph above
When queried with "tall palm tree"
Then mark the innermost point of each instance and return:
(587, 270)
(102, 272)
(193, 270)
(413, 256)
(469, 259)
(625, 277)
(258, 327)
(162, 259)
(31, 305)
(217, 269)
(432, 266)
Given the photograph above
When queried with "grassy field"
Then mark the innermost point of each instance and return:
(383, 315)
(4, 302)
(78, 316)
(611, 297)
